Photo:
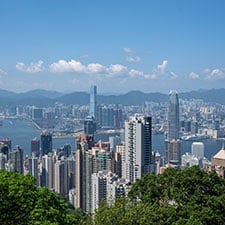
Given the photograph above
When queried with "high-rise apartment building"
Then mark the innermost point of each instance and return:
(71, 172)
(172, 143)
(16, 160)
(119, 161)
(101, 159)
(173, 151)
(109, 116)
(93, 102)
(35, 147)
(47, 170)
(46, 142)
(98, 187)
(83, 159)
(139, 159)
(33, 167)
(107, 186)
(61, 176)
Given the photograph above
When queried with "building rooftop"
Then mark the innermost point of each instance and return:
(220, 154)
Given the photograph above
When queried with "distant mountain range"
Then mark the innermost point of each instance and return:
(43, 98)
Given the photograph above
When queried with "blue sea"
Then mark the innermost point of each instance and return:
(21, 132)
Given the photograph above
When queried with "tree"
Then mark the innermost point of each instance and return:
(22, 202)
(190, 196)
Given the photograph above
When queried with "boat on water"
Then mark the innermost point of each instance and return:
(194, 137)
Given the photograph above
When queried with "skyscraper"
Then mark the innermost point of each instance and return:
(46, 142)
(172, 143)
(83, 172)
(33, 167)
(138, 147)
(61, 176)
(173, 151)
(16, 160)
(35, 147)
(173, 116)
(47, 170)
(89, 125)
(93, 102)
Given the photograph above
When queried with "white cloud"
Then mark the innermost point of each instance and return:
(2, 72)
(117, 69)
(63, 66)
(193, 75)
(133, 59)
(215, 74)
(162, 72)
(127, 50)
(32, 68)
(162, 67)
(95, 68)
(131, 56)
(136, 73)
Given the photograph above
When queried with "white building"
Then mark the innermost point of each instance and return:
(139, 159)
(197, 149)
(98, 188)
(188, 160)
(108, 187)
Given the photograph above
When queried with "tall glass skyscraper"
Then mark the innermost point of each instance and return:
(172, 143)
(173, 116)
(93, 101)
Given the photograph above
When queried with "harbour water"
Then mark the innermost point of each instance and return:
(21, 132)
(212, 146)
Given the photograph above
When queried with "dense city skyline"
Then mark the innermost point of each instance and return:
(118, 46)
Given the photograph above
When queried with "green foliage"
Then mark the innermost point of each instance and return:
(22, 202)
(179, 197)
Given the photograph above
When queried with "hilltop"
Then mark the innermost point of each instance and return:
(44, 98)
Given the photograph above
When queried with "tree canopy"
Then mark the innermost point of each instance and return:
(190, 196)
(179, 197)
(22, 202)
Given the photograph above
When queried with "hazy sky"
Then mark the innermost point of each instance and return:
(118, 45)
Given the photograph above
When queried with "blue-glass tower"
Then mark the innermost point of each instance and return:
(173, 116)
(172, 143)
(93, 102)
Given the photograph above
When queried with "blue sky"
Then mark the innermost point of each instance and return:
(120, 45)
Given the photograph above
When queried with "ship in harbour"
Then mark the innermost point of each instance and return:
(194, 137)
